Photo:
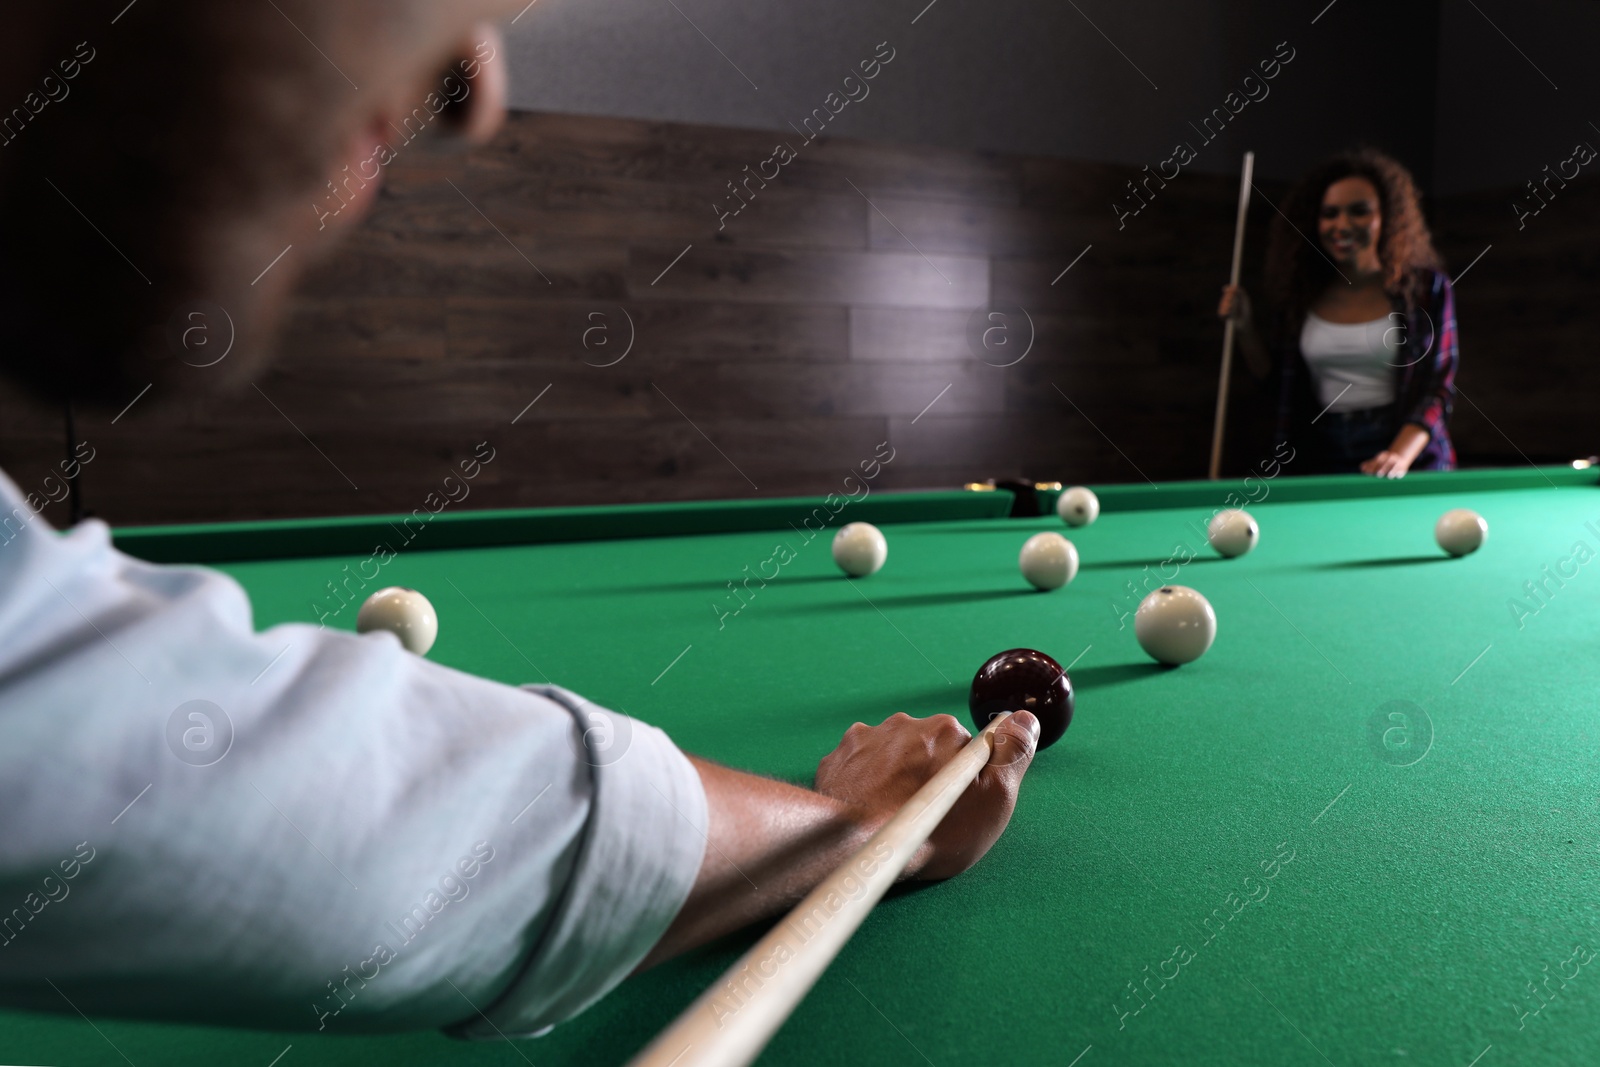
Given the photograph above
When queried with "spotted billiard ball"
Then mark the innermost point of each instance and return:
(1233, 532)
(1175, 625)
(1078, 506)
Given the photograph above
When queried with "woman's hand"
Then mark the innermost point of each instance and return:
(1235, 308)
(1387, 464)
(1235, 305)
(1394, 461)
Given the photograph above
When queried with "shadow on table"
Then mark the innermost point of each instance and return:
(910, 887)
(1104, 564)
(1393, 561)
(1022, 529)
(711, 586)
(913, 600)
(1113, 673)
(867, 601)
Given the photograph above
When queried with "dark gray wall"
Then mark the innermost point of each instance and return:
(1517, 89)
(1018, 76)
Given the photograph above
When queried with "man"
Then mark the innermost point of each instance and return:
(382, 842)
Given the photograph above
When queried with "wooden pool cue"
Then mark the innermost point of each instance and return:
(732, 1021)
(1227, 330)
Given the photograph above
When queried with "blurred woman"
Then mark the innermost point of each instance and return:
(1362, 327)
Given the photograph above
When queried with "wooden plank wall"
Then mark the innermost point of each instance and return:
(829, 315)
(1529, 311)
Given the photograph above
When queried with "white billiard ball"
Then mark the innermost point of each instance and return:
(860, 549)
(405, 613)
(1233, 532)
(1175, 625)
(1078, 506)
(1460, 531)
(1048, 561)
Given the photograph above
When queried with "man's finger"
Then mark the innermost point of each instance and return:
(1015, 742)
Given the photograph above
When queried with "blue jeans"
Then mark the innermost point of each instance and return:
(1348, 439)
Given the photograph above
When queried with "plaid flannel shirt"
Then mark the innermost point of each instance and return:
(1425, 374)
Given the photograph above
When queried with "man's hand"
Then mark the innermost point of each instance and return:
(876, 769)
(770, 842)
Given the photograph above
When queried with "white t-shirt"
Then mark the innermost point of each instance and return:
(304, 828)
(1353, 364)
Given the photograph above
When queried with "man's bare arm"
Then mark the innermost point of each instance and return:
(770, 842)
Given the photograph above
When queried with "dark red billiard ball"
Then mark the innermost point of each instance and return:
(1021, 679)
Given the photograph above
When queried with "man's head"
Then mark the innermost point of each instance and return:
(156, 158)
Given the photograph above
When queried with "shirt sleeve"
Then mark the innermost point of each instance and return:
(304, 828)
(1434, 395)
(621, 896)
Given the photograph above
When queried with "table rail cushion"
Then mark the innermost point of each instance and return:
(288, 538)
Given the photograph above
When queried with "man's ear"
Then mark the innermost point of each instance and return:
(478, 106)
(354, 178)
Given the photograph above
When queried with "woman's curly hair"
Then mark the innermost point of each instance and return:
(1298, 272)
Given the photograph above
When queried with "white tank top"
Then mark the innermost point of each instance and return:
(1353, 364)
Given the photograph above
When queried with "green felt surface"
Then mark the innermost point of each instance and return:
(1429, 884)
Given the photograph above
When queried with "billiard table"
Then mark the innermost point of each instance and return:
(1364, 827)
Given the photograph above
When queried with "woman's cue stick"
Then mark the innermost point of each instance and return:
(732, 1022)
(1227, 330)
